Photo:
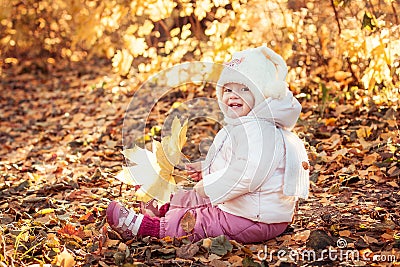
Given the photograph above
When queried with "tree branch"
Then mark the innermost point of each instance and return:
(336, 17)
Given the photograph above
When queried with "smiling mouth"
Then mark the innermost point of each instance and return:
(235, 105)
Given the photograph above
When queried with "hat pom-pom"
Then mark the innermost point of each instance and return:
(276, 89)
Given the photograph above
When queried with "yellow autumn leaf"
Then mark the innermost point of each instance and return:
(153, 169)
(45, 211)
(364, 131)
(168, 152)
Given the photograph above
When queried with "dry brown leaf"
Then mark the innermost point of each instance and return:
(302, 236)
(235, 260)
(393, 184)
(387, 236)
(187, 251)
(188, 222)
(364, 131)
(370, 159)
(345, 233)
(218, 263)
(394, 171)
(370, 239)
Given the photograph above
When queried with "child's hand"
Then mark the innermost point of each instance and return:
(199, 188)
(194, 171)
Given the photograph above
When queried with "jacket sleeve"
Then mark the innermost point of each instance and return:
(257, 151)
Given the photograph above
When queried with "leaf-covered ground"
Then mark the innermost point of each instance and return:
(60, 149)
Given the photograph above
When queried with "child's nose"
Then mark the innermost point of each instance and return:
(233, 96)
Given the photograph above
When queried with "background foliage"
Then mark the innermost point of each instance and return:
(332, 47)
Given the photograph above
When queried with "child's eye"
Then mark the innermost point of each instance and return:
(227, 90)
(245, 89)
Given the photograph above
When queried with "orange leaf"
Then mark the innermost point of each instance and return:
(345, 233)
(87, 218)
(370, 159)
(70, 231)
(330, 122)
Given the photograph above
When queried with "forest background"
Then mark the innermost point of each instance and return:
(70, 68)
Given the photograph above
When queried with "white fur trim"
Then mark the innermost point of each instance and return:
(276, 89)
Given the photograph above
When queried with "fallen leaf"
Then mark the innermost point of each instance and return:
(70, 231)
(52, 241)
(394, 171)
(220, 245)
(387, 236)
(370, 159)
(341, 75)
(370, 239)
(65, 259)
(345, 233)
(187, 251)
(319, 239)
(249, 262)
(218, 263)
(45, 211)
(302, 236)
(235, 260)
(122, 247)
(330, 122)
(393, 184)
(364, 131)
(188, 222)
(87, 218)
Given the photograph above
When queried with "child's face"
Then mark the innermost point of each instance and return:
(237, 99)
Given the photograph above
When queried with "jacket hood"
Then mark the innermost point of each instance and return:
(283, 112)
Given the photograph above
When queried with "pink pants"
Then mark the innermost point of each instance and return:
(212, 222)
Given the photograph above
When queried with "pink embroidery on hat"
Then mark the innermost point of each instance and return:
(234, 63)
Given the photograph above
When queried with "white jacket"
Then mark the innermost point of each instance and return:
(256, 168)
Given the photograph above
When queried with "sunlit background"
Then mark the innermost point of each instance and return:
(349, 48)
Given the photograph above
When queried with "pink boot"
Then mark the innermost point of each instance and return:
(123, 221)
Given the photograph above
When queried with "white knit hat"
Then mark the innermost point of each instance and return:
(260, 69)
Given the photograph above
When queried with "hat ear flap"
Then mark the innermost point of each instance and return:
(276, 89)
